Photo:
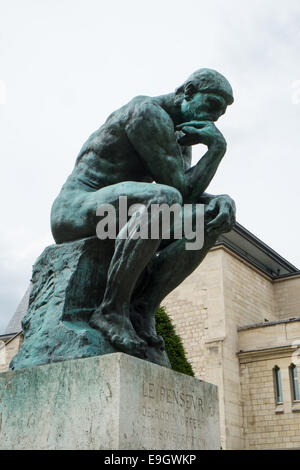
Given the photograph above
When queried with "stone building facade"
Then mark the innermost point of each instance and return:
(9, 346)
(238, 315)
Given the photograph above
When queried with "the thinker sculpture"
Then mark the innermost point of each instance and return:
(146, 141)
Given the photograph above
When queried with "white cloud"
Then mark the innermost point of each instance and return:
(67, 64)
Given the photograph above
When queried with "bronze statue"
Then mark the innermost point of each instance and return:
(143, 152)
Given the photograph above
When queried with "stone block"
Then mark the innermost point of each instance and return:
(107, 402)
(68, 284)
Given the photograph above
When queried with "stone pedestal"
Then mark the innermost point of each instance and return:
(107, 402)
(68, 284)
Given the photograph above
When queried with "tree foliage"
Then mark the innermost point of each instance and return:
(174, 346)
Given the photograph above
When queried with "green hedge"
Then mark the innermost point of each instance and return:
(174, 347)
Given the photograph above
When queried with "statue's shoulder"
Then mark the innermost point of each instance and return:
(145, 103)
(140, 99)
(146, 107)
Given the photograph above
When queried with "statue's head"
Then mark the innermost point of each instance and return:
(204, 96)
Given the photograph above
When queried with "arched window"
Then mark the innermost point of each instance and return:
(294, 382)
(277, 385)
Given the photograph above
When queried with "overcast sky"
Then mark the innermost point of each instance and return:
(65, 65)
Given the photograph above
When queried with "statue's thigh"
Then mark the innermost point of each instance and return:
(135, 193)
(74, 213)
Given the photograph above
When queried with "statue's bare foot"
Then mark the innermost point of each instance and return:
(119, 331)
(144, 325)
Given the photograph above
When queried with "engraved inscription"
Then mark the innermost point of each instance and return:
(180, 439)
(168, 395)
(166, 410)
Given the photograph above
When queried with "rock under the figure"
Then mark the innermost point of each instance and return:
(114, 401)
(68, 284)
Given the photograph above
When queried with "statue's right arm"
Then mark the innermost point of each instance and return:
(151, 132)
(200, 175)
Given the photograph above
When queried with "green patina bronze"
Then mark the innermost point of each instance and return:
(147, 140)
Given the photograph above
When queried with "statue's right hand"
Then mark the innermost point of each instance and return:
(201, 132)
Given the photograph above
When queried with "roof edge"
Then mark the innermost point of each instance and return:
(241, 230)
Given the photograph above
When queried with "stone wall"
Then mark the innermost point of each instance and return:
(267, 425)
(250, 291)
(287, 297)
(8, 350)
(248, 298)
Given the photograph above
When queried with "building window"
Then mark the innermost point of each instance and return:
(294, 382)
(277, 385)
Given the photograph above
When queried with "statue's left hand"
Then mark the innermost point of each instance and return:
(223, 207)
